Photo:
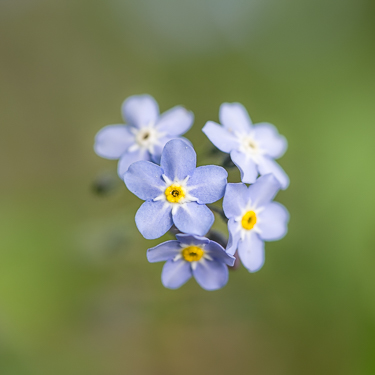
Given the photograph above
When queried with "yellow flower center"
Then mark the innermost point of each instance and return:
(252, 144)
(249, 220)
(174, 193)
(192, 253)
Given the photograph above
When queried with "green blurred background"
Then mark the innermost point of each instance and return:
(77, 295)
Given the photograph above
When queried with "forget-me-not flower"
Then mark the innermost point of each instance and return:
(189, 256)
(145, 135)
(175, 192)
(252, 148)
(253, 219)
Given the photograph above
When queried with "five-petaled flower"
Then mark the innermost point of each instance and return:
(253, 219)
(189, 256)
(175, 192)
(145, 135)
(252, 148)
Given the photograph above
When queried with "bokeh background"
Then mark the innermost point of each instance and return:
(77, 295)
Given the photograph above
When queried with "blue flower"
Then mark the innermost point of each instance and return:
(253, 219)
(189, 256)
(145, 135)
(176, 192)
(252, 148)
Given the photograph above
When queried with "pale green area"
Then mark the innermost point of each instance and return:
(77, 295)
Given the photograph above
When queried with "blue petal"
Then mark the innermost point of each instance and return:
(268, 138)
(235, 199)
(140, 110)
(178, 159)
(208, 183)
(187, 141)
(221, 138)
(234, 237)
(217, 252)
(153, 219)
(165, 251)
(234, 117)
(158, 149)
(268, 165)
(264, 190)
(175, 273)
(251, 252)
(246, 165)
(211, 275)
(129, 158)
(144, 179)
(190, 239)
(176, 121)
(113, 140)
(273, 222)
(193, 218)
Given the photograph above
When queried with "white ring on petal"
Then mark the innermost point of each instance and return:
(238, 219)
(146, 138)
(176, 205)
(249, 146)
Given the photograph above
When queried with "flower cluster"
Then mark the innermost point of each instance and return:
(159, 167)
